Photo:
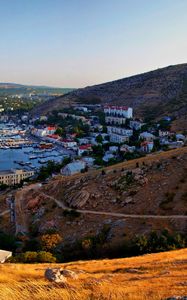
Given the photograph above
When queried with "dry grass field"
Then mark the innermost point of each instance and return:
(153, 276)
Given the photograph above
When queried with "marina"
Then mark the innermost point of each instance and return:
(17, 150)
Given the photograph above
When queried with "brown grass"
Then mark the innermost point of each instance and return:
(154, 276)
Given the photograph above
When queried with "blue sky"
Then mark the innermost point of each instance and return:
(75, 43)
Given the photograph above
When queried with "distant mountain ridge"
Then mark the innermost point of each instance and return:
(14, 88)
(154, 93)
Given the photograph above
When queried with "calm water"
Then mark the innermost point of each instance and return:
(8, 156)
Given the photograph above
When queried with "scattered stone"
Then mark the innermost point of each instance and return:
(59, 275)
(55, 275)
(69, 273)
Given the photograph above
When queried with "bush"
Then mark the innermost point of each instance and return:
(50, 241)
(72, 214)
(33, 257)
(158, 242)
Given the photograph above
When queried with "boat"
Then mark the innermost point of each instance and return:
(32, 157)
(21, 163)
(32, 167)
(42, 161)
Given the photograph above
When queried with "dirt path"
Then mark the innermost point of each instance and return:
(120, 215)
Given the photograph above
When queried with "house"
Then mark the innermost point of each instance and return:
(83, 141)
(163, 133)
(73, 168)
(113, 149)
(52, 138)
(4, 255)
(146, 136)
(88, 160)
(135, 125)
(41, 132)
(108, 156)
(180, 137)
(68, 143)
(147, 146)
(84, 148)
(127, 148)
(82, 108)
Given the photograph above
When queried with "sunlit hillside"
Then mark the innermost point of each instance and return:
(153, 276)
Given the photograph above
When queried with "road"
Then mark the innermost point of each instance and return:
(111, 214)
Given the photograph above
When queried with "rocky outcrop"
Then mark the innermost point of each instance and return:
(55, 275)
(59, 275)
(79, 199)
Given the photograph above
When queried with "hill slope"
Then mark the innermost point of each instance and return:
(151, 94)
(153, 276)
(158, 187)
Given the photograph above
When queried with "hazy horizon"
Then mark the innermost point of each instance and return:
(75, 44)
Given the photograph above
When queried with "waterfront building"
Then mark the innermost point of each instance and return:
(13, 176)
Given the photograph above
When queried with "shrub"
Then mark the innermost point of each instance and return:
(50, 241)
(33, 257)
(72, 214)
(157, 242)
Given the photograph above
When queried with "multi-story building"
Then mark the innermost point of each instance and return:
(115, 120)
(118, 134)
(12, 177)
(119, 130)
(41, 132)
(118, 111)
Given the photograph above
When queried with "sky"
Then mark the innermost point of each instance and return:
(76, 43)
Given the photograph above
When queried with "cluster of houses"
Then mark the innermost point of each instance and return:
(120, 127)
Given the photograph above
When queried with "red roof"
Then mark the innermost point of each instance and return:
(53, 136)
(145, 143)
(84, 147)
(51, 128)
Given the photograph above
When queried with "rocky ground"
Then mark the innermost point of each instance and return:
(154, 185)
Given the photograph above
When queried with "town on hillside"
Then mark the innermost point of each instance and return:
(79, 138)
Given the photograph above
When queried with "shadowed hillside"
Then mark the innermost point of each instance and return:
(151, 94)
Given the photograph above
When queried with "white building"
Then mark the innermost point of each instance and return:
(68, 143)
(84, 148)
(12, 177)
(73, 168)
(108, 156)
(147, 136)
(147, 146)
(118, 134)
(119, 130)
(117, 138)
(4, 255)
(126, 148)
(163, 133)
(115, 120)
(118, 111)
(41, 132)
(88, 160)
(136, 125)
